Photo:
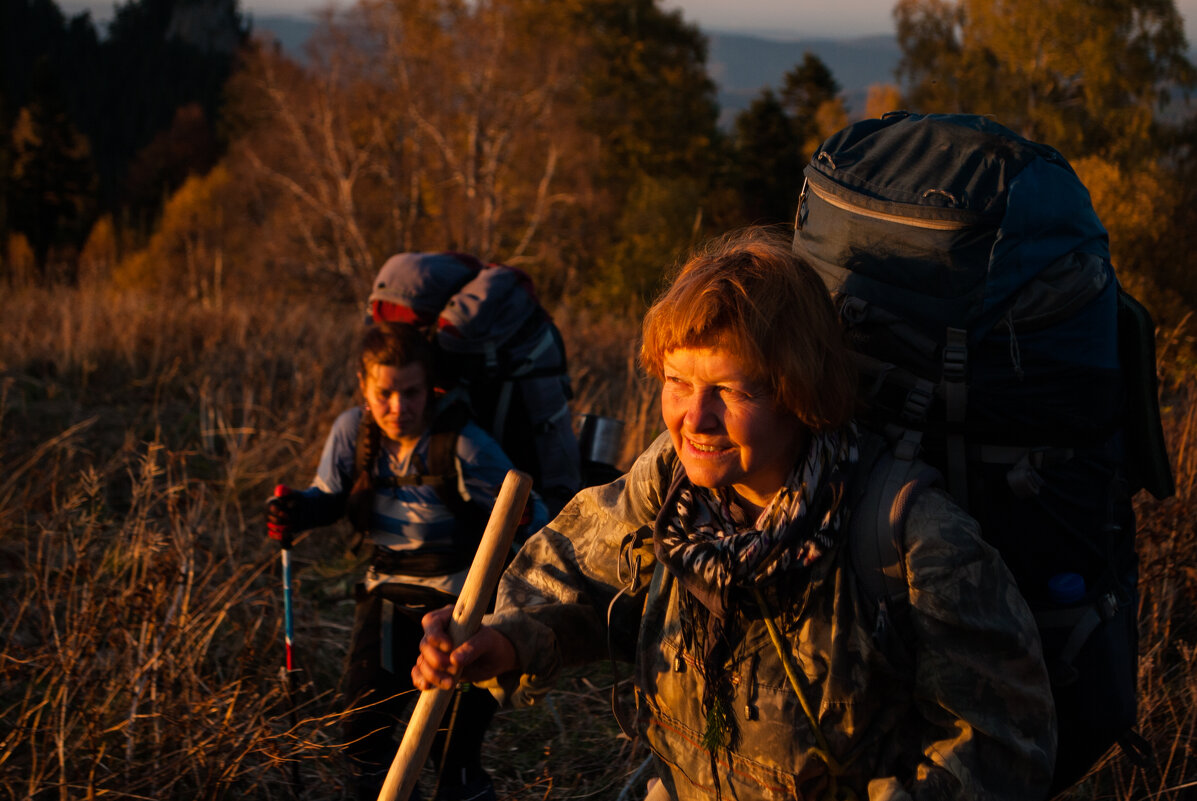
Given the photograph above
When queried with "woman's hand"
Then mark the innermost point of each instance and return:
(440, 666)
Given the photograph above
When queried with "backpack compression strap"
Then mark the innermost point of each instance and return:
(955, 373)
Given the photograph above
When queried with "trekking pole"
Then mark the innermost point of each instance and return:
(467, 614)
(284, 537)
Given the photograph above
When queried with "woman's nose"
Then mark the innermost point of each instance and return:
(702, 412)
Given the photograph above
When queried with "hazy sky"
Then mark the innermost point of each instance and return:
(783, 17)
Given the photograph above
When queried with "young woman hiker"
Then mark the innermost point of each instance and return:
(418, 482)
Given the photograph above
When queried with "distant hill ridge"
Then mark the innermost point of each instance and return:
(741, 64)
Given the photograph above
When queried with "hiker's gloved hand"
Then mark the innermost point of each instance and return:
(284, 514)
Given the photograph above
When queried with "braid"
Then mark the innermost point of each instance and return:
(361, 495)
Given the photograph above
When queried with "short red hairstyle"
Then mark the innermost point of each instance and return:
(749, 294)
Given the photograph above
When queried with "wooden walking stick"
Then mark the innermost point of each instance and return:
(467, 615)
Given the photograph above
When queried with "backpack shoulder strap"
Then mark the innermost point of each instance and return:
(442, 455)
(891, 478)
(442, 465)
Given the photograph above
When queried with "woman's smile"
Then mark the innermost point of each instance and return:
(725, 426)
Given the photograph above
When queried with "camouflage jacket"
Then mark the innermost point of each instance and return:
(963, 712)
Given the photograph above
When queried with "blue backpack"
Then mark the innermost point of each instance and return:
(974, 283)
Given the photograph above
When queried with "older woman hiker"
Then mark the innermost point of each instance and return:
(718, 566)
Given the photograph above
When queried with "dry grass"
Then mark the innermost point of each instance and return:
(141, 609)
(141, 613)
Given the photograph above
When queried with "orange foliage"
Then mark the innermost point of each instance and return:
(100, 251)
(882, 98)
(186, 253)
(19, 263)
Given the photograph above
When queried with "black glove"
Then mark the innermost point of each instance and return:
(284, 514)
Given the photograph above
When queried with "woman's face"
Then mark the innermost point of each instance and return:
(397, 398)
(726, 427)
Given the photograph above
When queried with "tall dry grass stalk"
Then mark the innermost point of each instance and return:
(141, 613)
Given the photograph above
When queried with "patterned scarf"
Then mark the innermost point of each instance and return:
(704, 541)
(706, 545)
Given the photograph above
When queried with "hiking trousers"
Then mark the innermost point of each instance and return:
(377, 700)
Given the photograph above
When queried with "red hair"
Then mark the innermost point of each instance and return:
(749, 294)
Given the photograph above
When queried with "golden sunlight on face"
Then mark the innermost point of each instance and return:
(727, 429)
(397, 398)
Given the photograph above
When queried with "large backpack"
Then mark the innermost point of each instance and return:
(498, 351)
(994, 342)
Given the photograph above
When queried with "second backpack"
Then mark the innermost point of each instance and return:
(497, 345)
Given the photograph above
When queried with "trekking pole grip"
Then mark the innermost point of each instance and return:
(467, 615)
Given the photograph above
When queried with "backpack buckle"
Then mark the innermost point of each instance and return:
(955, 355)
(802, 213)
(907, 446)
(1024, 479)
(918, 402)
(1107, 605)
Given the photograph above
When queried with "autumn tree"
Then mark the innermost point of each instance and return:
(644, 87)
(46, 73)
(93, 124)
(158, 56)
(647, 112)
(769, 160)
(419, 124)
(51, 188)
(1088, 76)
(518, 130)
(777, 134)
(310, 152)
(810, 94)
(186, 253)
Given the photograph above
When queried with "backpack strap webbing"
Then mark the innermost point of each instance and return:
(955, 388)
(442, 457)
(442, 468)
